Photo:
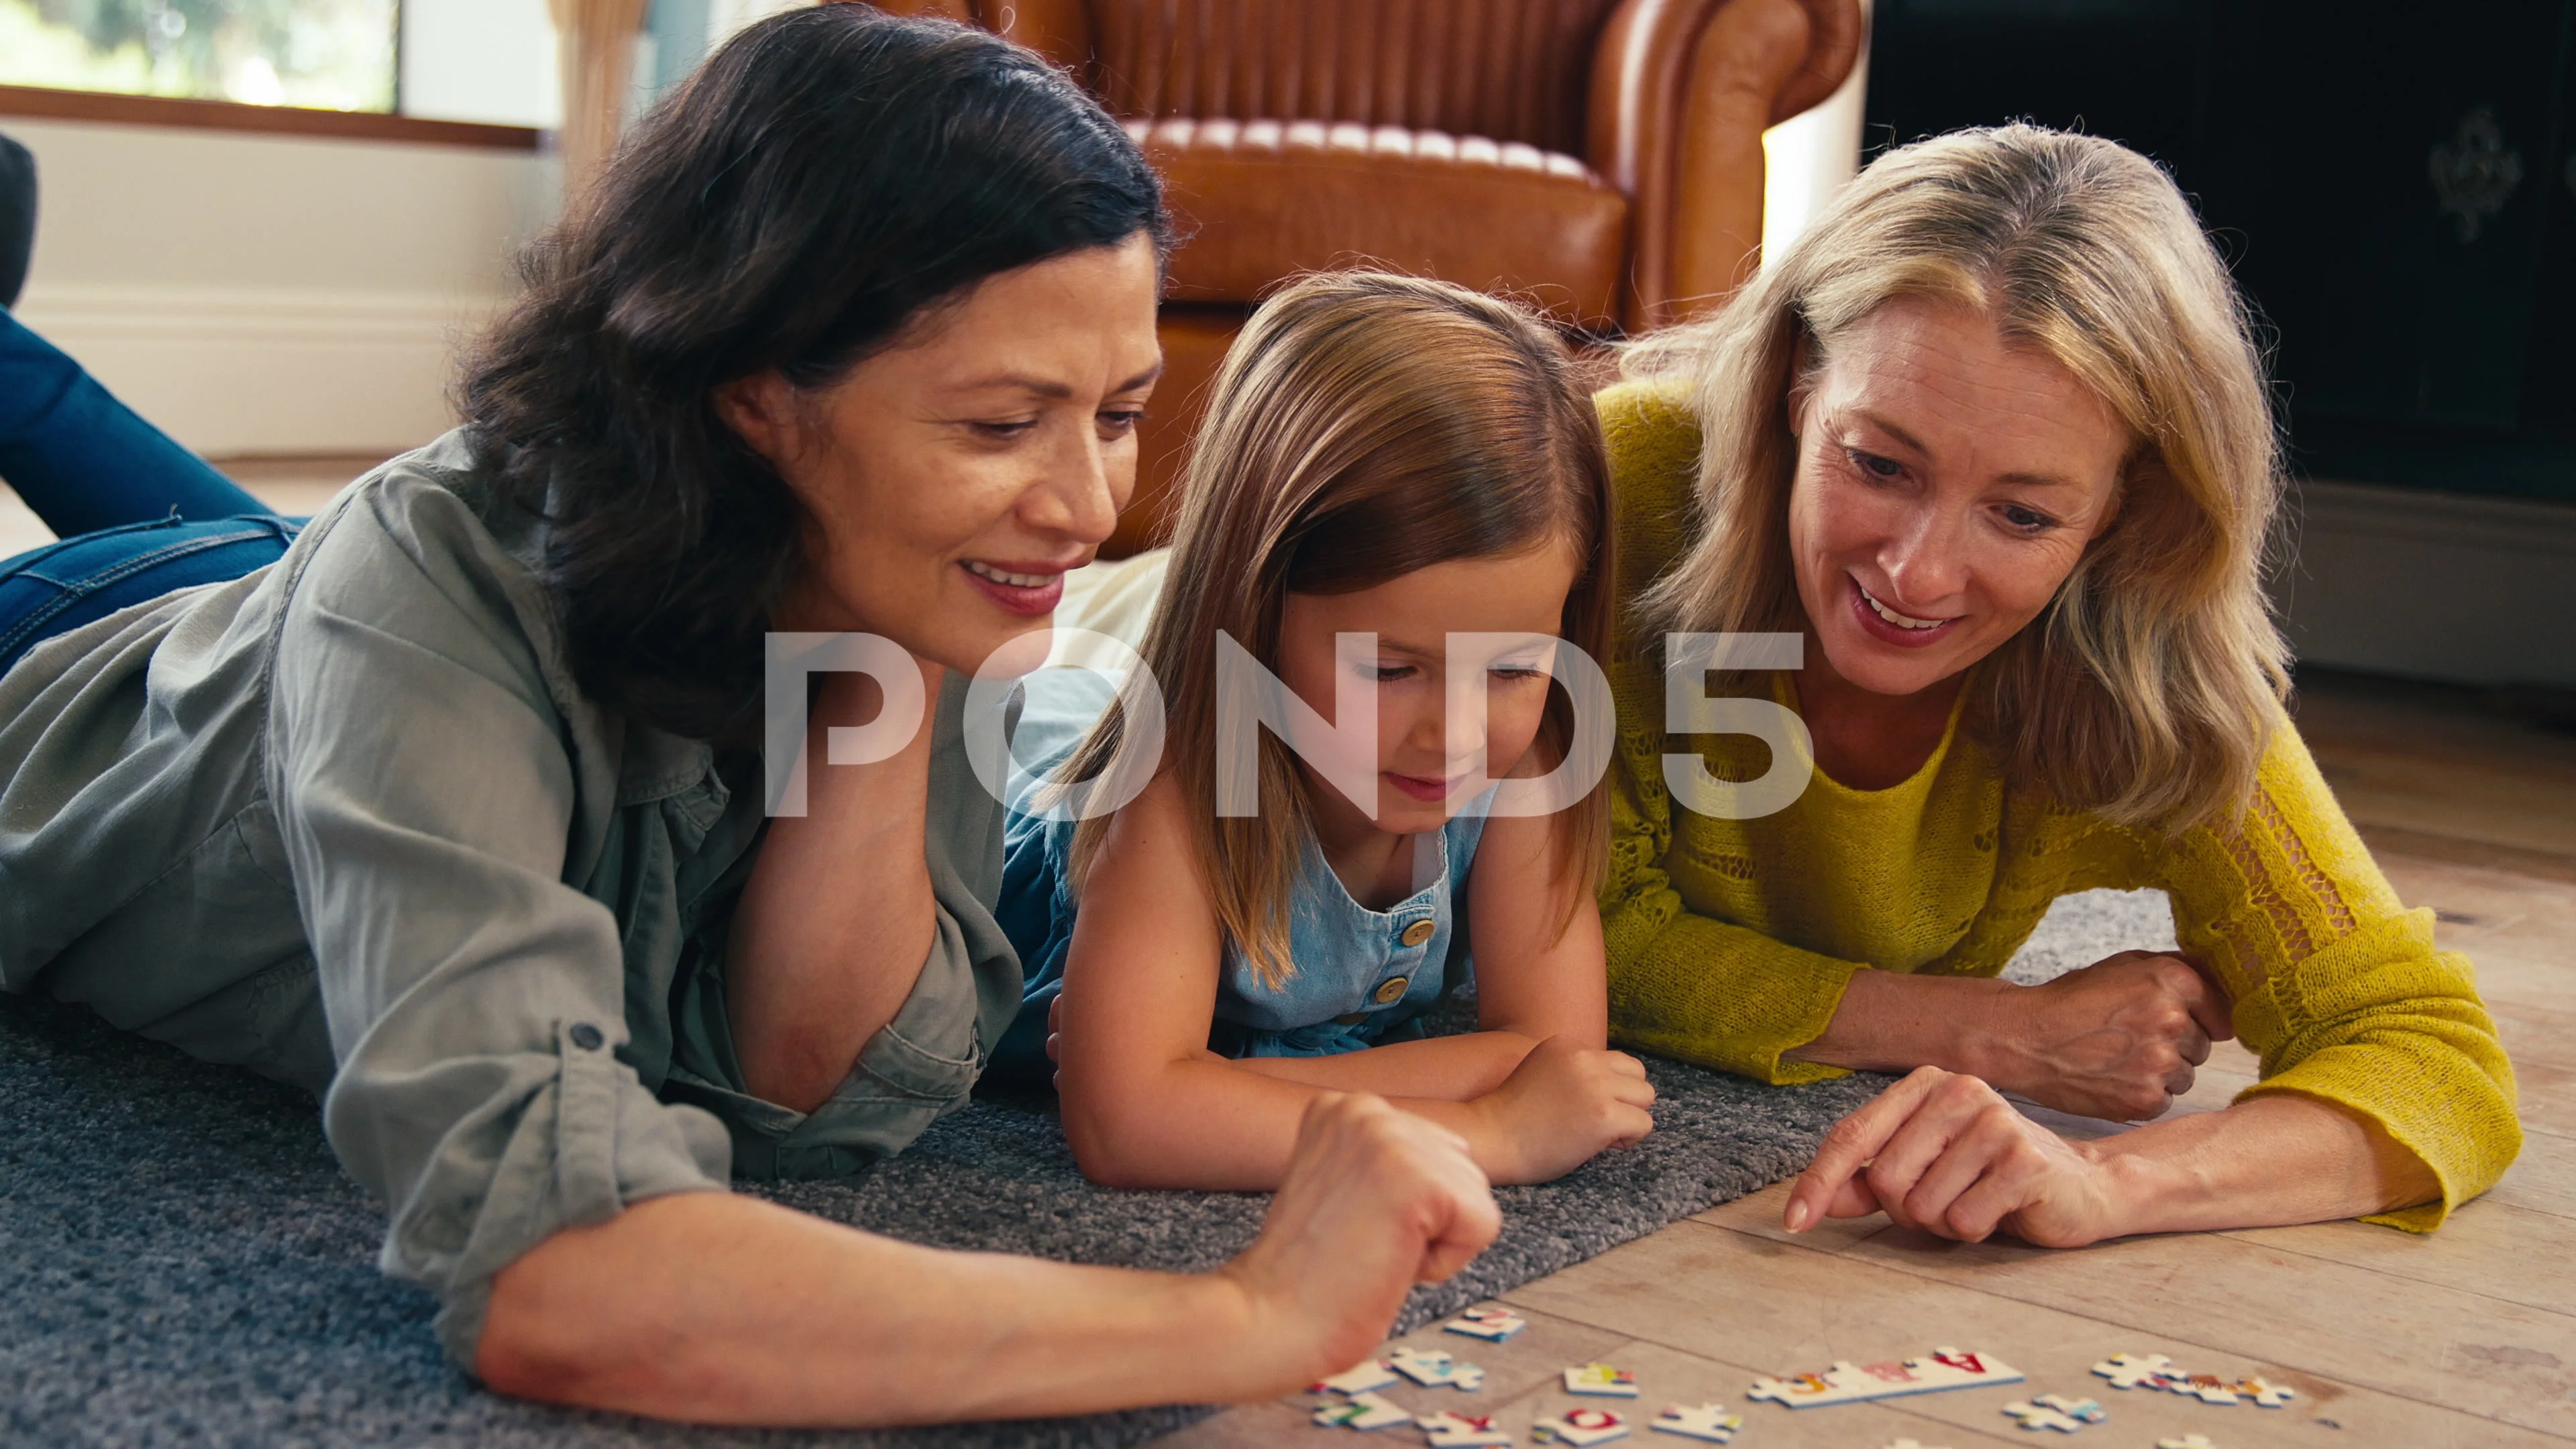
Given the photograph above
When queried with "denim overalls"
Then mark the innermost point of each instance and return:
(1363, 977)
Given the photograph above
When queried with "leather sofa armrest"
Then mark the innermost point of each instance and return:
(1639, 71)
(1682, 91)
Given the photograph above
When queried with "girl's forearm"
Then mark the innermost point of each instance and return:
(1211, 1125)
(2266, 1162)
(1446, 1068)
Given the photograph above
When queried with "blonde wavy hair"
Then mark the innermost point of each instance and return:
(2147, 690)
(1363, 425)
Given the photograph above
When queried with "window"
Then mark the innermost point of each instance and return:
(335, 55)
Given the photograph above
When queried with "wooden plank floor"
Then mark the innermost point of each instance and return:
(2465, 1338)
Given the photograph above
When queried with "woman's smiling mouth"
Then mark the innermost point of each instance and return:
(1881, 622)
(1030, 589)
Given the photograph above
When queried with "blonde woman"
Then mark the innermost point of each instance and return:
(1991, 443)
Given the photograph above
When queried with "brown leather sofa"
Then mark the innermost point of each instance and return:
(1601, 159)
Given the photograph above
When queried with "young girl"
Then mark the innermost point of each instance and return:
(1384, 457)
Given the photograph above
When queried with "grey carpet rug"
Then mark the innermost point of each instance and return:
(182, 1261)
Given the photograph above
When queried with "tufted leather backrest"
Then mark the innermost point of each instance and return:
(1512, 70)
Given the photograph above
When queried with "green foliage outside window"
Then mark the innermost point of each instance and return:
(331, 54)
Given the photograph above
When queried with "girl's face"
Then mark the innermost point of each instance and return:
(1425, 753)
(1947, 483)
(953, 479)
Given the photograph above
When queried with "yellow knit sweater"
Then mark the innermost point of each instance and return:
(1731, 941)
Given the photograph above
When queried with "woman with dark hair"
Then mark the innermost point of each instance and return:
(451, 808)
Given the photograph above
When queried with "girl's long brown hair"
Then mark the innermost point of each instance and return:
(1364, 425)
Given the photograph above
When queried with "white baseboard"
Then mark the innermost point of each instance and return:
(234, 372)
(2439, 586)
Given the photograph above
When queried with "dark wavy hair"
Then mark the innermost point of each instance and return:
(823, 181)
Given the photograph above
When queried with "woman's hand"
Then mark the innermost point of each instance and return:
(1562, 1106)
(2117, 1039)
(1947, 1154)
(1376, 1200)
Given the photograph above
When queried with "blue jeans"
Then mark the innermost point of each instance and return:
(137, 514)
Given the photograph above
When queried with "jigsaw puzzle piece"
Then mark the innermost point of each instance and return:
(1948, 1368)
(2187, 1441)
(1495, 1324)
(1446, 1430)
(1434, 1369)
(1698, 1421)
(1579, 1427)
(1361, 1411)
(2056, 1411)
(2131, 1370)
(1850, 1383)
(1372, 1374)
(2269, 1395)
(1602, 1380)
(2208, 1388)
(1913, 1444)
(2040, 1416)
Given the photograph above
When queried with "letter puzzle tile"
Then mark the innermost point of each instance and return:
(1698, 1421)
(1602, 1380)
(1850, 1383)
(1361, 1411)
(1580, 1427)
(1446, 1430)
(1495, 1323)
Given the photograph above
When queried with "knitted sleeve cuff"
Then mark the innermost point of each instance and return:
(1722, 996)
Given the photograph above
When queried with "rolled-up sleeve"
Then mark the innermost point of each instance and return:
(425, 784)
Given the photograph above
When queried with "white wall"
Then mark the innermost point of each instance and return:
(258, 294)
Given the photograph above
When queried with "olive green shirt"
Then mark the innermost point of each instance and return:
(349, 822)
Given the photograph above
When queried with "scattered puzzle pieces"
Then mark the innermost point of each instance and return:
(1698, 1421)
(1446, 1430)
(1849, 1383)
(1434, 1369)
(2187, 1441)
(1361, 1411)
(1601, 1379)
(2056, 1411)
(1496, 1324)
(2131, 1371)
(2155, 1371)
(1579, 1427)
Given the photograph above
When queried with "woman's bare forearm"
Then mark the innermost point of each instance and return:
(1889, 1021)
(2268, 1161)
(714, 1308)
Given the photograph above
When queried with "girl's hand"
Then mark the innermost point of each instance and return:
(1564, 1104)
(1375, 1201)
(1946, 1154)
(2117, 1039)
